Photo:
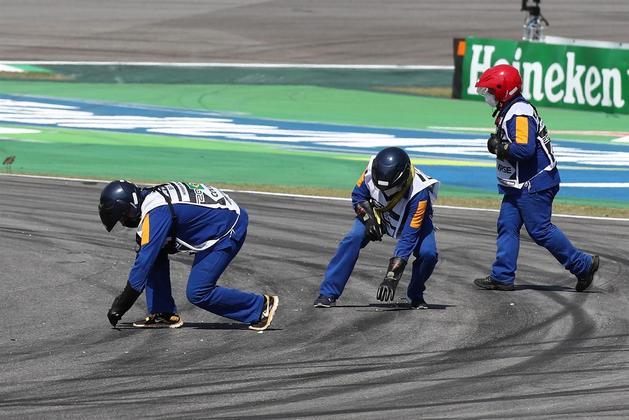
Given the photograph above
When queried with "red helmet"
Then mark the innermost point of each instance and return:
(503, 81)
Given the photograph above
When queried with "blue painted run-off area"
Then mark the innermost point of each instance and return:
(588, 170)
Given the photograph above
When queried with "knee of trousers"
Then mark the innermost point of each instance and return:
(197, 296)
(508, 226)
(428, 257)
(354, 236)
(540, 233)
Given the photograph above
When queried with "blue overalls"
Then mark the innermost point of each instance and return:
(194, 225)
(530, 205)
(415, 238)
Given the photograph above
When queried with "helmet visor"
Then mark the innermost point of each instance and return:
(489, 96)
(127, 214)
(109, 216)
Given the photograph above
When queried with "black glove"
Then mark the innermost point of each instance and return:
(122, 303)
(497, 147)
(492, 143)
(502, 151)
(386, 290)
(366, 215)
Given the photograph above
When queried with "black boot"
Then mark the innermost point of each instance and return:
(584, 282)
(491, 284)
(419, 304)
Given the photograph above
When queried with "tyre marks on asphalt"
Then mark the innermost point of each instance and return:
(552, 351)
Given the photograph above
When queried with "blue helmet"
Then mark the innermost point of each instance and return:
(120, 201)
(390, 170)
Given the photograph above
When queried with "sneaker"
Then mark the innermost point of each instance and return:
(270, 306)
(584, 282)
(491, 284)
(418, 304)
(160, 320)
(324, 301)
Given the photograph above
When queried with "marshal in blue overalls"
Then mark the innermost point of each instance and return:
(406, 215)
(528, 178)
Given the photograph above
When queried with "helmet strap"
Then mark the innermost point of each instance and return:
(171, 246)
(498, 108)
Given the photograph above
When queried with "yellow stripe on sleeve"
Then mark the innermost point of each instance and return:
(146, 228)
(418, 217)
(521, 130)
(360, 180)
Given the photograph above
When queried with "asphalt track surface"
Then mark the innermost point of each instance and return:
(283, 31)
(542, 351)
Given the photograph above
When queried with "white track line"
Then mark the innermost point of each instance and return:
(318, 197)
(574, 132)
(595, 184)
(10, 69)
(242, 65)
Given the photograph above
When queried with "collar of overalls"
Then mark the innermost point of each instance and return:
(502, 107)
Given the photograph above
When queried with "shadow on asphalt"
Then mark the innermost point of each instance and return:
(196, 325)
(394, 306)
(550, 288)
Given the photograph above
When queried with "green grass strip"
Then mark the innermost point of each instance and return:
(154, 158)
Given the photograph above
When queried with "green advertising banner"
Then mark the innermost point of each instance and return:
(565, 76)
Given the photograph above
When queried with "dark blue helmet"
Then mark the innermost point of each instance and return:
(390, 170)
(120, 201)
